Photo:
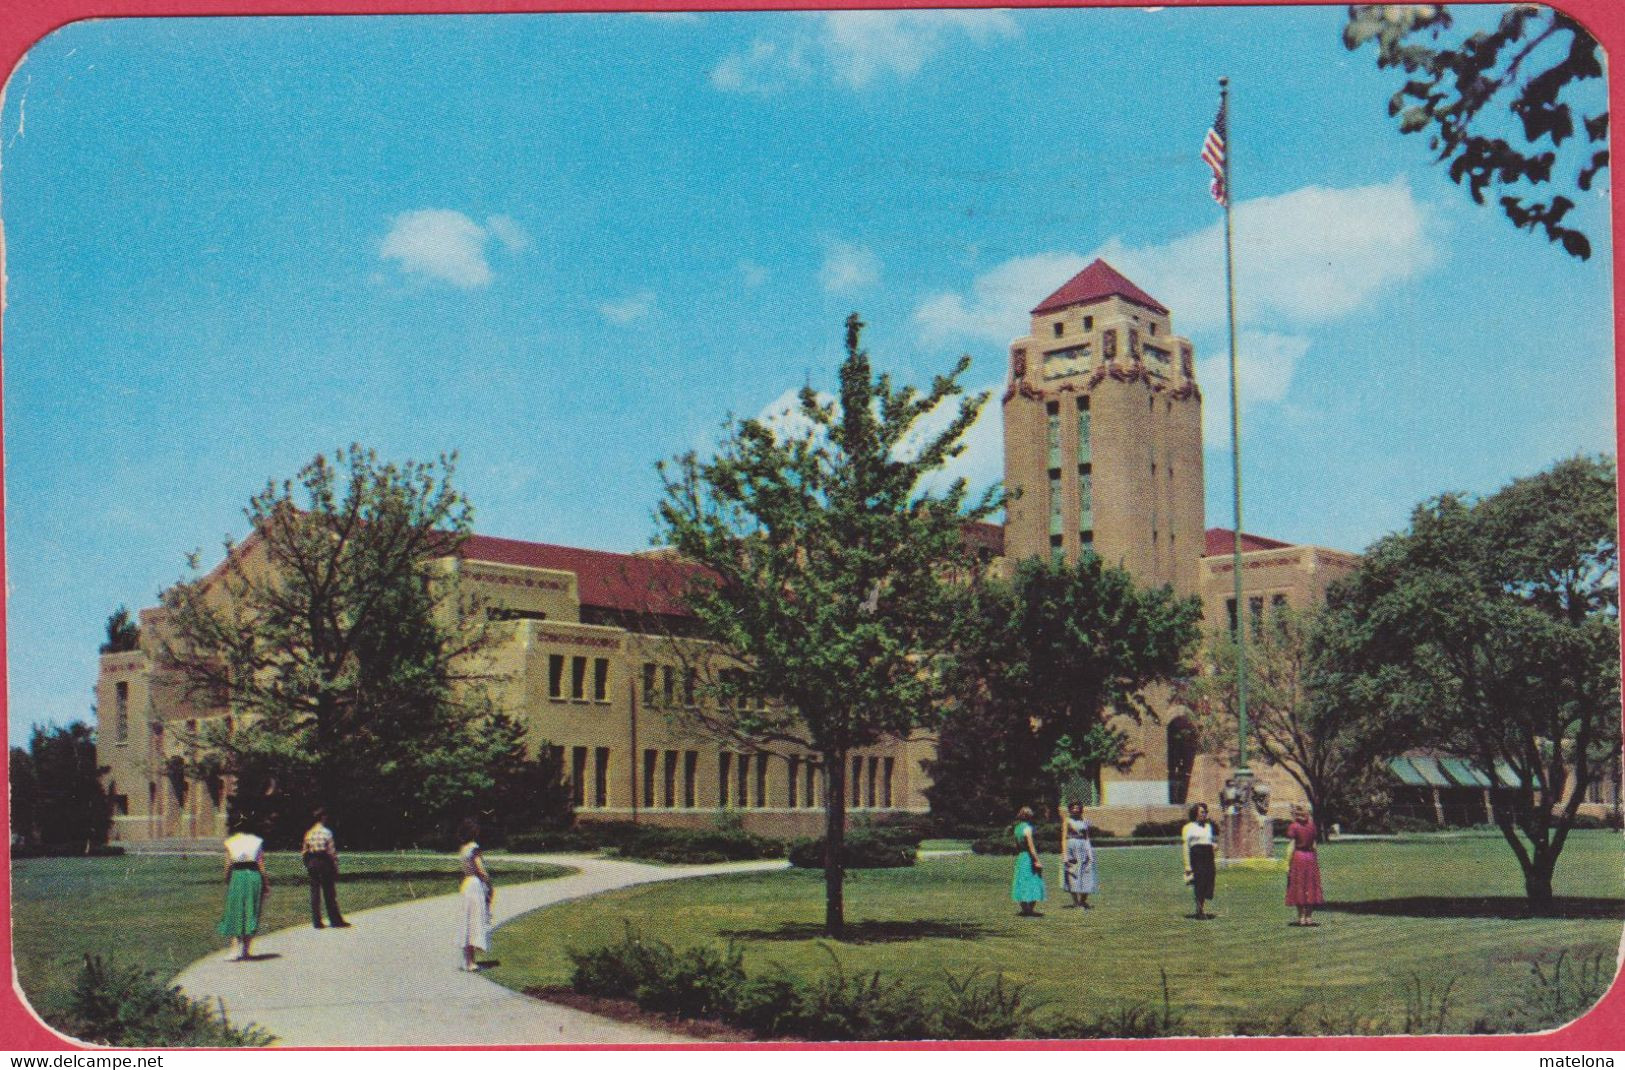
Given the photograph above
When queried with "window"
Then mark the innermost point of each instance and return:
(874, 777)
(1151, 405)
(668, 789)
(689, 684)
(857, 781)
(578, 776)
(1060, 328)
(691, 774)
(1153, 329)
(1083, 431)
(648, 683)
(668, 684)
(1052, 432)
(1230, 613)
(1277, 604)
(1255, 611)
(600, 679)
(761, 780)
(555, 676)
(744, 781)
(121, 702)
(809, 787)
(1086, 491)
(791, 781)
(1088, 323)
(724, 768)
(1054, 502)
(578, 679)
(651, 759)
(1087, 538)
(600, 794)
(886, 770)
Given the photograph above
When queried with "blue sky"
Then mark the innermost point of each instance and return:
(569, 245)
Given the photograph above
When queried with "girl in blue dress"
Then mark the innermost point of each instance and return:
(1027, 884)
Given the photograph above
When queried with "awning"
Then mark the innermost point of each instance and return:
(1406, 772)
(1464, 773)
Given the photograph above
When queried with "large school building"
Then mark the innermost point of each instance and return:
(1103, 453)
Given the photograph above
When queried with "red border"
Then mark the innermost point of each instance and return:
(27, 21)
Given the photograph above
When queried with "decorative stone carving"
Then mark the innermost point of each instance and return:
(1018, 363)
(1186, 362)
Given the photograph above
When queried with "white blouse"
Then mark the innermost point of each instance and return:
(243, 847)
(1197, 834)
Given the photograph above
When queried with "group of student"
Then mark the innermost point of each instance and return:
(1198, 843)
(248, 885)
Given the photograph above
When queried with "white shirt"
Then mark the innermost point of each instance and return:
(243, 847)
(1197, 834)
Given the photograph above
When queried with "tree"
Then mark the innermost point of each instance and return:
(56, 789)
(1327, 747)
(123, 634)
(1045, 663)
(825, 557)
(1491, 629)
(351, 666)
(1533, 64)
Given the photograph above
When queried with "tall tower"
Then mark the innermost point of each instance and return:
(1103, 434)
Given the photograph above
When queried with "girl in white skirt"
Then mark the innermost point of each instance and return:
(477, 891)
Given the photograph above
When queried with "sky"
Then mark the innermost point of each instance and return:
(568, 246)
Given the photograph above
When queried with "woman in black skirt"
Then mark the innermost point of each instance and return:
(1196, 841)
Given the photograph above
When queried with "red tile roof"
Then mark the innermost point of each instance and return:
(1222, 541)
(987, 536)
(631, 582)
(1094, 283)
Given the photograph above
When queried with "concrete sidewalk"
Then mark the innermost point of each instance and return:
(395, 977)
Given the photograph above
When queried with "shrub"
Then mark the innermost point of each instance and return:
(65, 850)
(1610, 820)
(1158, 829)
(863, 1006)
(699, 982)
(617, 969)
(126, 1006)
(982, 1008)
(726, 842)
(586, 836)
(861, 849)
(1002, 841)
(768, 1006)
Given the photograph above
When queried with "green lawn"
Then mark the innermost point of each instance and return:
(160, 912)
(1428, 911)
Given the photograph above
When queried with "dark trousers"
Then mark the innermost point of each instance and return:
(322, 871)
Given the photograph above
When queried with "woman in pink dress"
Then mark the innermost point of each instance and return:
(1303, 867)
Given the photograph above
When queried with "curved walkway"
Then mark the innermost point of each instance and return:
(395, 978)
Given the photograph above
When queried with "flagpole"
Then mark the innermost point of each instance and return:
(1235, 434)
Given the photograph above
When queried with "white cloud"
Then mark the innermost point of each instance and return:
(631, 308)
(1302, 258)
(999, 301)
(508, 231)
(1265, 363)
(848, 268)
(980, 465)
(767, 67)
(865, 45)
(753, 273)
(856, 48)
(447, 246)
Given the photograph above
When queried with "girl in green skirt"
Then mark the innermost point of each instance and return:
(246, 888)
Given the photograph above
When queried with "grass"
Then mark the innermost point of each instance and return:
(1422, 933)
(159, 913)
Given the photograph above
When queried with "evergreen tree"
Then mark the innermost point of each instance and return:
(56, 790)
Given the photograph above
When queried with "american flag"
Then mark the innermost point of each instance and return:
(1213, 153)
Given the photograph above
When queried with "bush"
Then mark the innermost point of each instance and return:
(1002, 841)
(861, 849)
(128, 1007)
(726, 842)
(1158, 829)
(1610, 820)
(586, 836)
(64, 850)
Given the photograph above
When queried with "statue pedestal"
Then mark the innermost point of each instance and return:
(1245, 830)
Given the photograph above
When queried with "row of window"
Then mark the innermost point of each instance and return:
(670, 780)
(578, 678)
(1255, 611)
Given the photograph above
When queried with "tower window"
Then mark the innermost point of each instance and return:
(1153, 328)
(1086, 537)
(1088, 323)
(1151, 405)
(1060, 328)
